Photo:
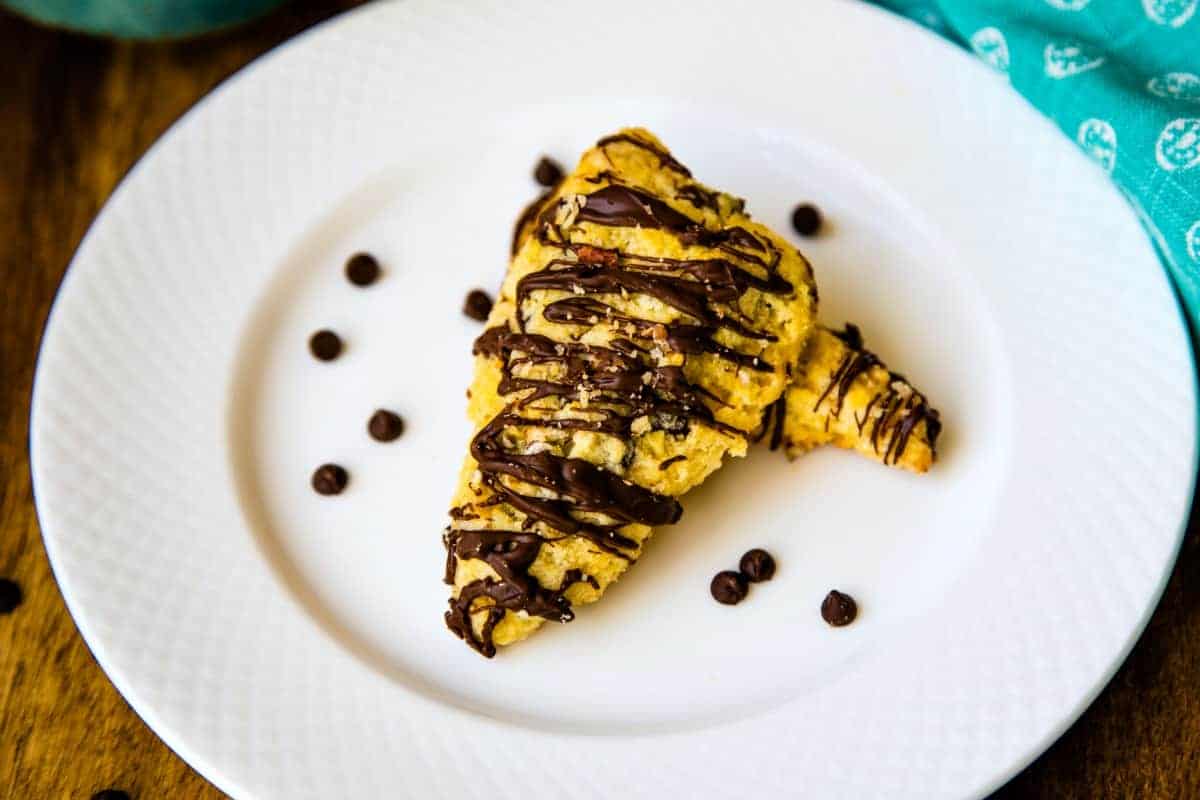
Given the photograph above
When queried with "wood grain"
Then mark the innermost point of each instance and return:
(75, 113)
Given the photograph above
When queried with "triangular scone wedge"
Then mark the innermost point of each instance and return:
(642, 330)
(842, 394)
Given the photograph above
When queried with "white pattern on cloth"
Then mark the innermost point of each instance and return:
(1178, 145)
(928, 17)
(1099, 140)
(1192, 241)
(1169, 12)
(989, 44)
(1069, 5)
(1176, 85)
(1067, 58)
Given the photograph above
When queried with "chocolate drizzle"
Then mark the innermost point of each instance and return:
(510, 554)
(702, 197)
(570, 385)
(665, 159)
(621, 206)
(853, 364)
(525, 220)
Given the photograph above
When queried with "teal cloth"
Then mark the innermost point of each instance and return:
(1122, 79)
(141, 19)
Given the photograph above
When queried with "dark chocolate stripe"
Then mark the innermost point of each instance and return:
(665, 159)
(528, 215)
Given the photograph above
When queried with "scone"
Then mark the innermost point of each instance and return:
(644, 326)
(842, 394)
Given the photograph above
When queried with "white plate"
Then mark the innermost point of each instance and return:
(292, 646)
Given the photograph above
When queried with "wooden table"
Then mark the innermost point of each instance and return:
(75, 114)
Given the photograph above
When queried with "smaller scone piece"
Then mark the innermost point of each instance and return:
(842, 394)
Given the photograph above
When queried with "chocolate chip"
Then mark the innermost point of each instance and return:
(362, 269)
(111, 794)
(329, 479)
(838, 609)
(757, 565)
(853, 338)
(806, 219)
(729, 587)
(10, 596)
(385, 426)
(547, 172)
(478, 305)
(325, 345)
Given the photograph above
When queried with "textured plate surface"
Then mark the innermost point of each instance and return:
(291, 646)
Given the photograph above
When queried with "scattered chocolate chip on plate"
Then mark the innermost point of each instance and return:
(478, 305)
(385, 426)
(362, 269)
(757, 565)
(806, 219)
(330, 479)
(325, 345)
(838, 609)
(729, 587)
(547, 172)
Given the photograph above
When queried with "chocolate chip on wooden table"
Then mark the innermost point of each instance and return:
(385, 426)
(806, 219)
(111, 794)
(478, 305)
(838, 609)
(330, 479)
(362, 269)
(325, 345)
(757, 565)
(729, 587)
(547, 172)
(10, 595)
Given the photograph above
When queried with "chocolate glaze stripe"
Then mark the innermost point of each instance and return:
(690, 297)
(853, 364)
(507, 552)
(705, 198)
(619, 393)
(687, 339)
(611, 373)
(588, 488)
(665, 159)
(534, 600)
(510, 554)
(778, 410)
(700, 197)
(528, 215)
(622, 206)
(709, 271)
(915, 411)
